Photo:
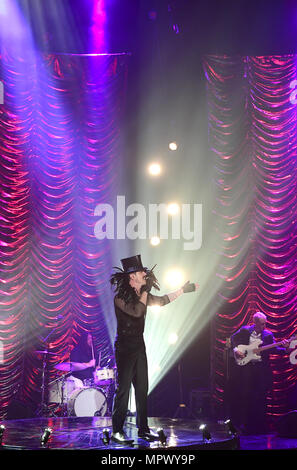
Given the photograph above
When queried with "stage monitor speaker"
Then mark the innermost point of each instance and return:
(200, 403)
(286, 426)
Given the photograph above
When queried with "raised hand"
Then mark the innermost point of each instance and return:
(190, 287)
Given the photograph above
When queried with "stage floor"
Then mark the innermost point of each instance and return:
(86, 434)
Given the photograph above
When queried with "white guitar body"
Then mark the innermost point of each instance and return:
(248, 351)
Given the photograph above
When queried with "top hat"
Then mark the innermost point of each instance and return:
(132, 264)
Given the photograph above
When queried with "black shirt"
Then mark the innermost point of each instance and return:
(131, 316)
(82, 354)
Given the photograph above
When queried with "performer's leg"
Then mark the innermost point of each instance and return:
(125, 367)
(140, 383)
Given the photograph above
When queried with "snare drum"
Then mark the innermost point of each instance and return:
(87, 402)
(104, 376)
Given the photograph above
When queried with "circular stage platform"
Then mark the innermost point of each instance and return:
(86, 433)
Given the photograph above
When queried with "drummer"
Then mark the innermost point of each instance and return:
(82, 360)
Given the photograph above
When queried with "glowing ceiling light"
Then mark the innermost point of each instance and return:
(172, 146)
(172, 339)
(154, 169)
(173, 208)
(174, 278)
(155, 241)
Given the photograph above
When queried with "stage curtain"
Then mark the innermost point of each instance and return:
(60, 143)
(252, 139)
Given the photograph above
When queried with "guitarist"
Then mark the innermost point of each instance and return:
(252, 381)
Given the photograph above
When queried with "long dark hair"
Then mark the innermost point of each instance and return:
(120, 282)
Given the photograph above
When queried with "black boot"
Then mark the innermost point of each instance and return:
(121, 438)
(148, 435)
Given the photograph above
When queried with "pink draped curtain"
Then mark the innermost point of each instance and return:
(252, 137)
(59, 145)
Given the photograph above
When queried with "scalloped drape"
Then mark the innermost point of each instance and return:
(252, 137)
(60, 144)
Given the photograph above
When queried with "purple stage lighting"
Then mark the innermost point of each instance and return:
(97, 30)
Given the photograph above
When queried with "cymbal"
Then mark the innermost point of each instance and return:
(65, 366)
(45, 352)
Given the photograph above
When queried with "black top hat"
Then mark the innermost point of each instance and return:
(132, 264)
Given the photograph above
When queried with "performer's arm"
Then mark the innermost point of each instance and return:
(76, 364)
(174, 295)
(165, 299)
(159, 300)
(188, 287)
(135, 310)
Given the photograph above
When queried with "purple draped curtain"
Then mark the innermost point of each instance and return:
(60, 143)
(252, 137)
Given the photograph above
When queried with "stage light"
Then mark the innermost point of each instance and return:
(205, 432)
(172, 338)
(174, 278)
(155, 241)
(45, 436)
(2, 430)
(156, 368)
(173, 208)
(97, 36)
(231, 428)
(172, 146)
(3, 8)
(162, 436)
(105, 436)
(154, 169)
(155, 308)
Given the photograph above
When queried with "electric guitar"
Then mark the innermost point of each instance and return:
(251, 351)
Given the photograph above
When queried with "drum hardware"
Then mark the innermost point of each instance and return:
(43, 409)
(63, 406)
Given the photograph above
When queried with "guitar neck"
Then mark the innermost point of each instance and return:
(269, 346)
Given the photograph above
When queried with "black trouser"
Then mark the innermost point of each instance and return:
(131, 369)
(249, 398)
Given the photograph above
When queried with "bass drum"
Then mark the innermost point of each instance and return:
(87, 402)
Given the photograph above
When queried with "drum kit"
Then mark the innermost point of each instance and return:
(69, 396)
